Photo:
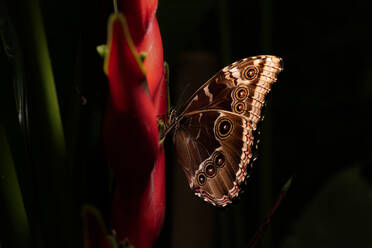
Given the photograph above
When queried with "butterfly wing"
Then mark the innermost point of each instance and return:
(240, 87)
(215, 133)
(215, 149)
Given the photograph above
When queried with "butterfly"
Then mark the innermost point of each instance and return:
(216, 132)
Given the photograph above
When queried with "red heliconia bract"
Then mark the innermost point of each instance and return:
(138, 94)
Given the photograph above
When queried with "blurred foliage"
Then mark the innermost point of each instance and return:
(54, 177)
(339, 215)
(12, 211)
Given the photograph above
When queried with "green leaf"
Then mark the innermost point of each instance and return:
(56, 217)
(101, 49)
(14, 225)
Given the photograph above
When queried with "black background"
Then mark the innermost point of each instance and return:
(317, 126)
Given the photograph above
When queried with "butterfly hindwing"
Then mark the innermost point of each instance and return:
(214, 147)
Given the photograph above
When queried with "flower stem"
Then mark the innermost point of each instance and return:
(14, 222)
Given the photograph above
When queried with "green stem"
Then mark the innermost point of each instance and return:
(13, 219)
(53, 177)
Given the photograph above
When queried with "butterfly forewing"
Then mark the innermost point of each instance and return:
(225, 90)
(215, 133)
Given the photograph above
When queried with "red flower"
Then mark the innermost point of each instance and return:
(137, 96)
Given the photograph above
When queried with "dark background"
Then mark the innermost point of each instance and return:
(316, 128)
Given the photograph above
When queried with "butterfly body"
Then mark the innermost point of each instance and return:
(215, 135)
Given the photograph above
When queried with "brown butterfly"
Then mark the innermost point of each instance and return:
(215, 135)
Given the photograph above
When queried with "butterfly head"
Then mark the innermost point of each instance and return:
(172, 115)
(173, 118)
(171, 122)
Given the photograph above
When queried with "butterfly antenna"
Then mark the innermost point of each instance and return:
(182, 98)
